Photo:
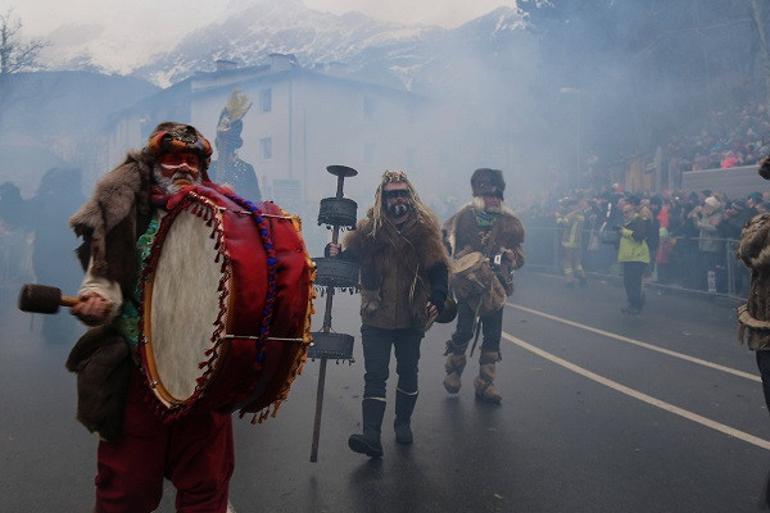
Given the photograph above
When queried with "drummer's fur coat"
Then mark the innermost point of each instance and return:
(109, 223)
(754, 252)
(395, 268)
(112, 219)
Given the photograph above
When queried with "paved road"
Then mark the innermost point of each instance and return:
(591, 421)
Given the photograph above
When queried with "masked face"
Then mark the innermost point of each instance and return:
(176, 170)
(397, 199)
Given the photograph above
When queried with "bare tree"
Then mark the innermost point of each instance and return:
(15, 54)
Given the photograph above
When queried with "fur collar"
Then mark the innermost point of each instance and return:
(111, 213)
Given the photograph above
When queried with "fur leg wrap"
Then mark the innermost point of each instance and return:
(455, 364)
(485, 382)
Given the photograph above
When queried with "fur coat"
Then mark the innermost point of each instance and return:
(463, 235)
(113, 218)
(754, 252)
(396, 268)
(109, 223)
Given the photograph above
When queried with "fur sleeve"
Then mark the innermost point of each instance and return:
(754, 247)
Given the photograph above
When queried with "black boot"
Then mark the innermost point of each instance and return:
(404, 408)
(369, 442)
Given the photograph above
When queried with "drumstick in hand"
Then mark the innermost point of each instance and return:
(43, 299)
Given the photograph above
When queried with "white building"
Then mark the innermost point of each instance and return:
(301, 121)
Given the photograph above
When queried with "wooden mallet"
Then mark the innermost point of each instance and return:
(43, 299)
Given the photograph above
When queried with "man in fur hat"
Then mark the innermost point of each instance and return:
(403, 288)
(484, 226)
(137, 449)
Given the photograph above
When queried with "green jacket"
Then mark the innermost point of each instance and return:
(633, 241)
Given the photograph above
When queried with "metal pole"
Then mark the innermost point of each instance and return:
(327, 325)
(319, 403)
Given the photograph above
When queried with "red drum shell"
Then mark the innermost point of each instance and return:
(244, 372)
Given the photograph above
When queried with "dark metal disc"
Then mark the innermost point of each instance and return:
(335, 272)
(339, 170)
(334, 346)
(338, 212)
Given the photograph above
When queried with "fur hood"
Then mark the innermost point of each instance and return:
(110, 220)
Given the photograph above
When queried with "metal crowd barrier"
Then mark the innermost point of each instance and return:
(731, 278)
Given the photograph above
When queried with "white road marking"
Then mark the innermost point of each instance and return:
(663, 405)
(639, 343)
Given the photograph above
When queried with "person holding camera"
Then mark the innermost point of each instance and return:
(490, 236)
(633, 252)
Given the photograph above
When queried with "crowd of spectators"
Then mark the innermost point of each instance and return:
(725, 139)
(692, 236)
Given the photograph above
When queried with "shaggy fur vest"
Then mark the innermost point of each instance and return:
(464, 235)
(395, 286)
(113, 218)
(754, 252)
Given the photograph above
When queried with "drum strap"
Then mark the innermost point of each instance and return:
(476, 328)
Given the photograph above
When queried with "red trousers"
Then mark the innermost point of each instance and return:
(195, 453)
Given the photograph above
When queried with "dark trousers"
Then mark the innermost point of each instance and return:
(377, 343)
(763, 362)
(491, 327)
(632, 281)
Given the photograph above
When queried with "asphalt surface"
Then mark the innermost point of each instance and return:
(559, 442)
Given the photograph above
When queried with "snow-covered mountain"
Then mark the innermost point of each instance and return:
(250, 30)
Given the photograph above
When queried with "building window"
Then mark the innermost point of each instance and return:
(368, 108)
(369, 153)
(266, 148)
(266, 100)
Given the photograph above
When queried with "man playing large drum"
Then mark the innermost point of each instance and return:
(485, 239)
(181, 287)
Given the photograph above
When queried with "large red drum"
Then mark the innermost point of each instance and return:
(227, 301)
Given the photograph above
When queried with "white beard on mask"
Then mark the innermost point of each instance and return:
(478, 203)
(399, 209)
(169, 185)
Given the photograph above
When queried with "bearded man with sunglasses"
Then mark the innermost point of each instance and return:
(404, 268)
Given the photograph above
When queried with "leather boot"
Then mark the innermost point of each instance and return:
(369, 442)
(485, 382)
(404, 408)
(455, 363)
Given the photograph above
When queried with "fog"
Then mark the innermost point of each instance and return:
(572, 100)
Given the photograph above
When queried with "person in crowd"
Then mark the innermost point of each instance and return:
(707, 218)
(571, 218)
(634, 254)
(404, 286)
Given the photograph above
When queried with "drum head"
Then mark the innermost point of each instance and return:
(184, 304)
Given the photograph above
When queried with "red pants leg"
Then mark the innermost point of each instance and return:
(130, 470)
(195, 453)
(200, 462)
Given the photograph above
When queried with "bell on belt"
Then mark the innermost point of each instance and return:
(333, 273)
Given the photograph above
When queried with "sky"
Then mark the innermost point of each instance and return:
(145, 16)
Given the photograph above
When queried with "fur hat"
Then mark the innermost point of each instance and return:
(488, 182)
(172, 137)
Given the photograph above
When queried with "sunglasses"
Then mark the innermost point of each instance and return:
(399, 193)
